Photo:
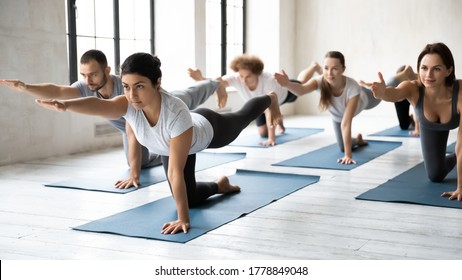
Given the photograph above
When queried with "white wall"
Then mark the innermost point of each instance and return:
(33, 48)
(374, 35)
(175, 41)
(271, 35)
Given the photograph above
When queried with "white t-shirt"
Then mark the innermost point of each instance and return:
(174, 119)
(266, 84)
(339, 103)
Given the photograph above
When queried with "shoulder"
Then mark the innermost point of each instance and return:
(352, 87)
(316, 81)
(267, 78)
(266, 75)
(411, 86)
(459, 82)
(229, 77)
(409, 90)
(172, 104)
(83, 88)
(350, 82)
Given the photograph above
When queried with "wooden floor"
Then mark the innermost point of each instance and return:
(322, 221)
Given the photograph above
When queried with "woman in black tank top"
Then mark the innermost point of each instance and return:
(435, 96)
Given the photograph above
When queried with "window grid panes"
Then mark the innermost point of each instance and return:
(95, 21)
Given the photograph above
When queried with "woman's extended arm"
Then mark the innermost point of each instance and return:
(134, 160)
(178, 155)
(347, 121)
(296, 88)
(403, 91)
(457, 194)
(110, 109)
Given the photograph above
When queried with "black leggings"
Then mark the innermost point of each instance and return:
(402, 111)
(226, 128)
(437, 164)
(261, 120)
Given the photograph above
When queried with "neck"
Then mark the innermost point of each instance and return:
(338, 87)
(107, 90)
(152, 111)
(438, 91)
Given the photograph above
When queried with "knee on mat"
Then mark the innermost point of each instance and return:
(436, 177)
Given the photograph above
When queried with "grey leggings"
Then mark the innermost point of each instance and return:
(437, 163)
(192, 97)
(371, 103)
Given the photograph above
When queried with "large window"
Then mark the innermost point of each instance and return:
(121, 27)
(225, 37)
(116, 27)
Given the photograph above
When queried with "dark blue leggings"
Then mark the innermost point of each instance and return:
(226, 128)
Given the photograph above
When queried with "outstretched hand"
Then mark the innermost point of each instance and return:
(52, 104)
(377, 88)
(14, 84)
(196, 75)
(282, 78)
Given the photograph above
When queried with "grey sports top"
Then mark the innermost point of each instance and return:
(455, 116)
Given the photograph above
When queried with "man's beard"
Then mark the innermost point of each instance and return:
(101, 85)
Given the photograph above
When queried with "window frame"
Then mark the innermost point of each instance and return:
(224, 35)
(72, 36)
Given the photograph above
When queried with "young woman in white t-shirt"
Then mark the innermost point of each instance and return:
(342, 96)
(163, 124)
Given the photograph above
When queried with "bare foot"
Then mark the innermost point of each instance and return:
(225, 187)
(415, 125)
(222, 95)
(361, 141)
(317, 67)
(306, 74)
(409, 73)
(415, 133)
(274, 113)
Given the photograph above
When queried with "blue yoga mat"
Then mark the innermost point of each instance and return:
(326, 157)
(149, 176)
(257, 190)
(413, 186)
(451, 148)
(395, 131)
(291, 134)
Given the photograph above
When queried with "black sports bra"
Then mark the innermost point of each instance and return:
(455, 116)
